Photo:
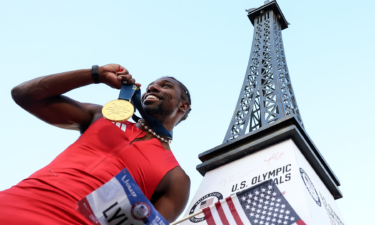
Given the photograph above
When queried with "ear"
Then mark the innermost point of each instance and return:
(183, 106)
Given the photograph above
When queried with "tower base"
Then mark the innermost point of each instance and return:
(281, 151)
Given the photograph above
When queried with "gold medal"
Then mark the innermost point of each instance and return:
(121, 109)
(118, 110)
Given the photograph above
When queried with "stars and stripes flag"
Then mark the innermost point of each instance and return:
(262, 204)
(120, 201)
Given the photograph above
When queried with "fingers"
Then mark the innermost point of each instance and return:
(115, 75)
(124, 76)
(126, 79)
(131, 81)
(122, 70)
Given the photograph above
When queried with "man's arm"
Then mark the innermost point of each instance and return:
(172, 193)
(43, 97)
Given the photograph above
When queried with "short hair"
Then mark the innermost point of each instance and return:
(185, 95)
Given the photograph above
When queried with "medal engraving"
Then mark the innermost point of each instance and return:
(118, 110)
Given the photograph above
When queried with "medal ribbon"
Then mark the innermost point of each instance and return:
(130, 92)
(127, 92)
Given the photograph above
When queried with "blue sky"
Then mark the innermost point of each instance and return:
(206, 44)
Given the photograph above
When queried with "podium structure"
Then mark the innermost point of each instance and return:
(276, 147)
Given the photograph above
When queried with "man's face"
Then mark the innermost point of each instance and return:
(162, 97)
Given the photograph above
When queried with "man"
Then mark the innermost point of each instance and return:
(49, 196)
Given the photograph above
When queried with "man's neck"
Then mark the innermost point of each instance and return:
(167, 122)
(149, 135)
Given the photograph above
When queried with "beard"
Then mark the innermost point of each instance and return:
(158, 111)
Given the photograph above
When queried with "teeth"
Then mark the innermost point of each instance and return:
(152, 97)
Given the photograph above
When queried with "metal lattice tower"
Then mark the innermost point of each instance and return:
(267, 94)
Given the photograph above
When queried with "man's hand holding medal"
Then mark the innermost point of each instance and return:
(121, 109)
(114, 75)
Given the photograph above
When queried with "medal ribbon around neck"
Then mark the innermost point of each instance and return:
(122, 109)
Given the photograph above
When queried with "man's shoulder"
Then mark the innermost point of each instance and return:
(176, 178)
(179, 172)
(175, 183)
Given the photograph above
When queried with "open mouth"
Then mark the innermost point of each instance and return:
(151, 97)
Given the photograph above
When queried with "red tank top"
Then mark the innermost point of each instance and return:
(49, 196)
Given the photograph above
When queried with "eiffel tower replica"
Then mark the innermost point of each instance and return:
(266, 94)
(276, 145)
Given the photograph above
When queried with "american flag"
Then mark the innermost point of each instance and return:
(262, 204)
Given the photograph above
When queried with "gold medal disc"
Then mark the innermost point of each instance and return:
(118, 110)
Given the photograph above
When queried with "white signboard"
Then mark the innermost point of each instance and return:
(287, 167)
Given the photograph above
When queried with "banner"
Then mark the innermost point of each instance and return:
(119, 202)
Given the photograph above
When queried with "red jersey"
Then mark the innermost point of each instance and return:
(49, 196)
